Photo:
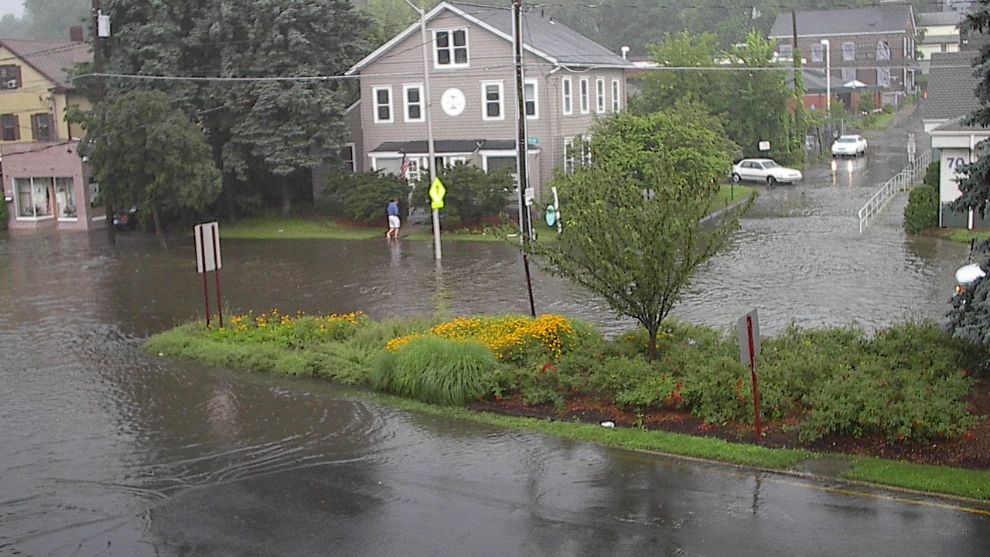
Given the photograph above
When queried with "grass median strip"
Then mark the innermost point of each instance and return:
(566, 372)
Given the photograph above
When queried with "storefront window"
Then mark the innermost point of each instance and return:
(64, 198)
(33, 197)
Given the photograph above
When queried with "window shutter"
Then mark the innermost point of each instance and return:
(17, 127)
(19, 82)
(35, 128)
(52, 132)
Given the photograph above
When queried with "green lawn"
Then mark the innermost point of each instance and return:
(968, 235)
(296, 228)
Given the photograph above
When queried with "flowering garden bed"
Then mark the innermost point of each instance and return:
(909, 392)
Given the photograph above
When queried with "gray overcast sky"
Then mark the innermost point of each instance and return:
(15, 7)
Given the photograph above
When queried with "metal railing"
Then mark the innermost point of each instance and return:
(903, 181)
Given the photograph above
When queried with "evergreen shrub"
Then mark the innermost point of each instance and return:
(472, 194)
(363, 196)
(921, 212)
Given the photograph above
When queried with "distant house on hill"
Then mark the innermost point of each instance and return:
(873, 46)
(45, 183)
(570, 81)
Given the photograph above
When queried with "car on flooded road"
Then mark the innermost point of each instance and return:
(764, 170)
(849, 146)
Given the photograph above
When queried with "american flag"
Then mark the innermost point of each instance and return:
(404, 169)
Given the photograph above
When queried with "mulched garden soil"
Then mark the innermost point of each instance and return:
(971, 450)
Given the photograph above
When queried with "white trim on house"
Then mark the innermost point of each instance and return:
(536, 98)
(375, 105)
(803, 35)
(600, 95)
(567, 96)
(354, 154)
(452, 64)
(485, 102)
(414, 27)
(616, 95)
(406, 87)
(584, 95)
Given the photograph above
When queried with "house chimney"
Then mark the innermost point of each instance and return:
(625, 52)
(76, 34)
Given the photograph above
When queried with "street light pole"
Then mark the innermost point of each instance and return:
(828, 77)
(437, 252)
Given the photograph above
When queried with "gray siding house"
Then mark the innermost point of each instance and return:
(867, 47)
(569, 82)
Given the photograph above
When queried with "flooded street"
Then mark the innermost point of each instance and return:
(105, 450)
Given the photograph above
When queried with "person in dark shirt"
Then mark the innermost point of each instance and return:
(393, 219)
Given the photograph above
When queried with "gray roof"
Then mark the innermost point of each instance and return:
(951, 86)
(957, 125)
(815, 83)
(939, 39)
(940, 18)
(883, 19)
(50, 58)
(551, 40)
(447, 146)
(554, 39)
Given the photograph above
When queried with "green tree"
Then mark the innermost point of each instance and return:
(661, 90)
(143, 151)
(471, 193)
(632, 230)
(362, 196)
(256, 129)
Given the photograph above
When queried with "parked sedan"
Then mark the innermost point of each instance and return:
(849, 146)
(764, 170)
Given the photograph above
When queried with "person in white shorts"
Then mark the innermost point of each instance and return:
(393, 219)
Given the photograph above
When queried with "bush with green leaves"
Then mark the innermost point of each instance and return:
(437, 370)
(921, 212)
(363, 196)
(472, 194)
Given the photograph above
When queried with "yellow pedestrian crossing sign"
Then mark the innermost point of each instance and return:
(437, 191)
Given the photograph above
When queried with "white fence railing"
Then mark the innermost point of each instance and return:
(904, 180)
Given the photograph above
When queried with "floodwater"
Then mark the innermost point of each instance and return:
(105, 450)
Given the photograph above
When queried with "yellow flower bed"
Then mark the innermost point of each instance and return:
(508, 337)
(291, 330)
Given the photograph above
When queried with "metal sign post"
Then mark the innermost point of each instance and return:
(208, 259)
(748, 328)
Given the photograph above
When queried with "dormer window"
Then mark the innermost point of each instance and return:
(10, 77)
(450, 48)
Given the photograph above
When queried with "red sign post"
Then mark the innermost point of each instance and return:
(208, 259)
(748, 329)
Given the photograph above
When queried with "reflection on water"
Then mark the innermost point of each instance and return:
(101, 441)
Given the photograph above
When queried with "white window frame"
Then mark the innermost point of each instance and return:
(883, 73)
(567, 96)
(600, 95)
(584, 95)
(450, 46)
(586, 150)
(406, 104)
(785, 50)
(375, 104)
(817, 53)
(484, 100)
(353, 148)
(883, 50)
(536, 99)
(570, 161)
(616, 96)
(848, 51)
(50, 190)
(848, 74)
(485, 155)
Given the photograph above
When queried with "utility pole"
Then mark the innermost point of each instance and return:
(97, 46)
(522, 161)
(437, 251)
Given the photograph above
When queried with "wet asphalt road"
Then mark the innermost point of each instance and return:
(105, 450)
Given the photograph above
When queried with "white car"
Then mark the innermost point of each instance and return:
(764, 170)
(849, 146)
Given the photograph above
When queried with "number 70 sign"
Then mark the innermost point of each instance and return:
(955, 163)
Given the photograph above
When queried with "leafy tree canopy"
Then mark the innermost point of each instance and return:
(632, 230)
(143, 151)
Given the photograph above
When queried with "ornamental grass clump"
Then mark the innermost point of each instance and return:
(511, 338)
(290, 331)
(436, 370)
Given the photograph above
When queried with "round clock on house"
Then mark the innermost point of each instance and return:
(452, 101)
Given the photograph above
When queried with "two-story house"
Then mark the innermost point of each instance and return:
(45, 183)
(569, 82)
(940, 33)
(869, 46)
